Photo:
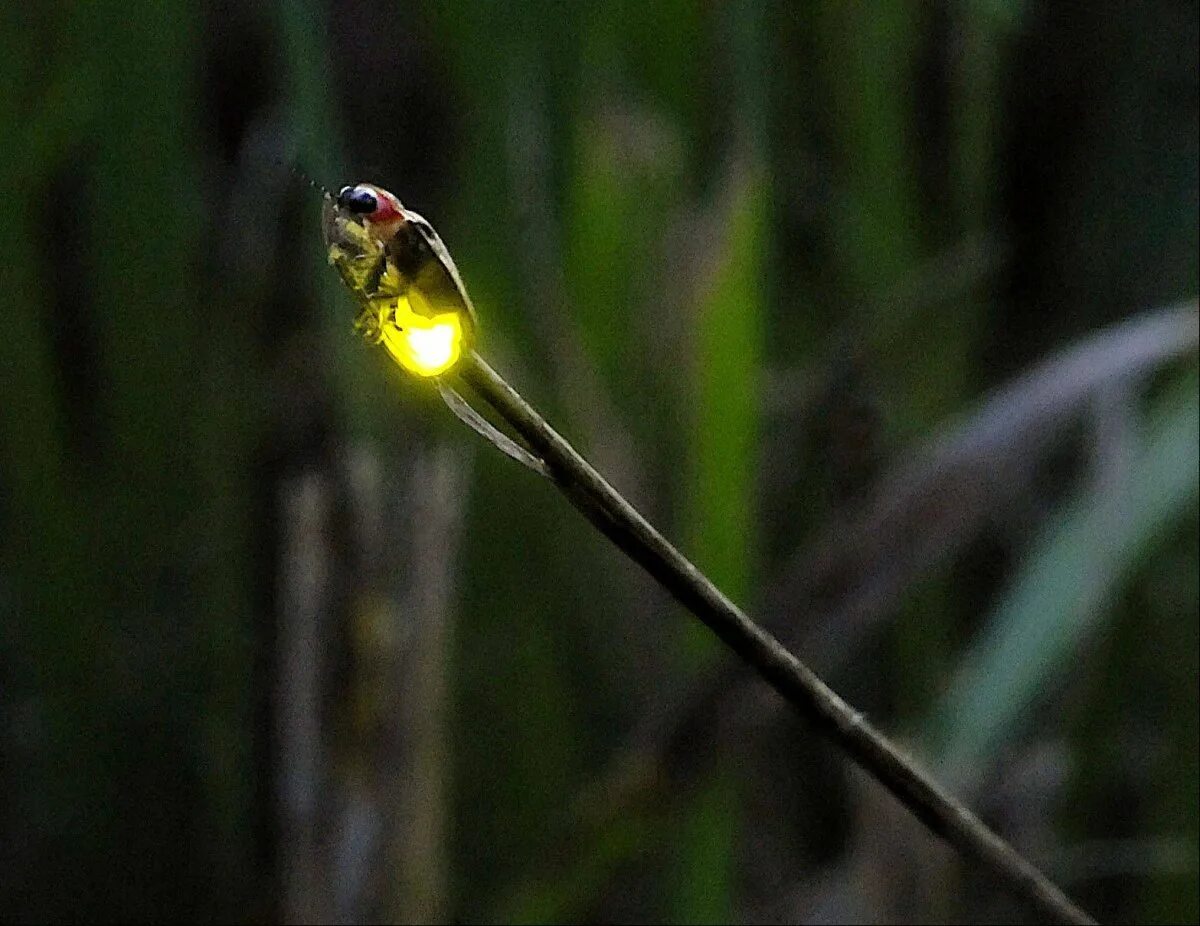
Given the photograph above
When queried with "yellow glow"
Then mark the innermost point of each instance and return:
(425, 346)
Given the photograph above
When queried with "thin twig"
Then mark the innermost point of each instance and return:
(852, 576)
(608, 510)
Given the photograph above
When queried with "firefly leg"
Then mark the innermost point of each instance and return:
(371, 281)
(371, 319)
(374, 312)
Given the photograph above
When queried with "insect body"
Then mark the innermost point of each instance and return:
(412, 298)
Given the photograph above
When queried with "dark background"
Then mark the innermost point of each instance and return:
(884, 311)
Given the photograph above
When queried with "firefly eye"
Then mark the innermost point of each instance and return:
(357, 200)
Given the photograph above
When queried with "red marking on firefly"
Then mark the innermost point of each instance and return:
(389, 208)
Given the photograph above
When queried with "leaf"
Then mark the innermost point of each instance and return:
(1061, 593)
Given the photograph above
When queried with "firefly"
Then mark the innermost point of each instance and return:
(411, 296)
(412, 300)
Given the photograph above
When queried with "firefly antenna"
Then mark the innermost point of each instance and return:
(303, 175)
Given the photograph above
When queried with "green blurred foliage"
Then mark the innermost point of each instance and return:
(749, 256)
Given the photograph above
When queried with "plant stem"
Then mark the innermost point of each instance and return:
(618, 520)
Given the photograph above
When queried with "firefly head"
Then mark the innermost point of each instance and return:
(358, 223)
(374, 206)
(357, 199)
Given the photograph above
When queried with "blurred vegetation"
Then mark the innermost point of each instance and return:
(828, 289)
